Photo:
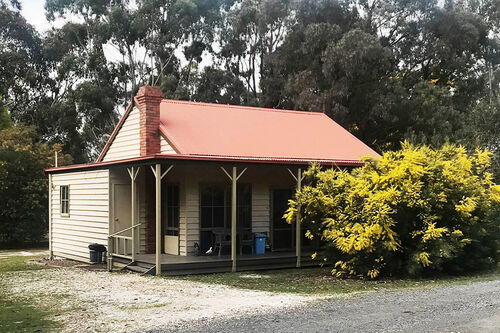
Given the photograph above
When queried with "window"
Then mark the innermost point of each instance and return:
(214, 203)
(215, 211)
(64, 200)
(171, 204)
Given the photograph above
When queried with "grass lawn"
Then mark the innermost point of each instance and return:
(18, 315)
(319, 282)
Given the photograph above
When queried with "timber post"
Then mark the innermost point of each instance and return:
(234, 179)
(298, 230)
(133, 175)
(158, 178)
(233, 220)
(158, 218)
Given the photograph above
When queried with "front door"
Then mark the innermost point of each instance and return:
(122, 213)
(283, 233)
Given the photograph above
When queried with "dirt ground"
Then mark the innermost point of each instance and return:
(87, 298)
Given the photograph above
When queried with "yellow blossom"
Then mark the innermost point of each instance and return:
(423, 258)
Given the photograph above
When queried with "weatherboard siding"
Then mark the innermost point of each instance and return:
(165, 147)
(127, 141)
(88, 220)
(260, 208)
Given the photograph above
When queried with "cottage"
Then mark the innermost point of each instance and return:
(183, 187)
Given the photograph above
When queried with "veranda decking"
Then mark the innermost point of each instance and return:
(184, 265)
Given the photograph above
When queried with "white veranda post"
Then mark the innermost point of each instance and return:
(158, 177)
(133, 171)
(234, 178)
(298, 230)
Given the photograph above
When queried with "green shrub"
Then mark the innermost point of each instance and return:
(411, 212)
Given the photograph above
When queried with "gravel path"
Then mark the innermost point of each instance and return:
(473, 307)
(97, 301)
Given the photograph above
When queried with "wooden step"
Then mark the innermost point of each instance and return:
(137, 269)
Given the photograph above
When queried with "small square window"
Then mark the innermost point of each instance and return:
(64, 200)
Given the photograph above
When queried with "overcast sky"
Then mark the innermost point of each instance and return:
(34, 13)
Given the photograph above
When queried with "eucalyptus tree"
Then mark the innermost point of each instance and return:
(249, 32)
(22, 67)
(386, 69)
(145, 35)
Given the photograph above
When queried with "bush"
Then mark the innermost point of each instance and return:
(411, 212)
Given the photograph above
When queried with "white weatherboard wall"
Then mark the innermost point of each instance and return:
(260, 208)
(127, 142)
(88, 220)
(165, 147)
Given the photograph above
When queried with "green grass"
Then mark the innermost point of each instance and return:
(319, 282)
(17, 263)
(18, 315)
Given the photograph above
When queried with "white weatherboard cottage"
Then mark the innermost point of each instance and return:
(177, 179)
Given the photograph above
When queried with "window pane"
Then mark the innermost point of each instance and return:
(206, 217)
(218, 197)
(206, 197)
(176, 217)
(219, 216)
(244, 220)
(64, 199)
(175, 195)
(244, 194)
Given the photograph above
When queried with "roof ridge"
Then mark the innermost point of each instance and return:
(308, 159)
(243, 107)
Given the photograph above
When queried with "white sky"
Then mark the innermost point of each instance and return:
(34, 12)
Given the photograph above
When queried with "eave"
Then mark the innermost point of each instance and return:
(202, 158)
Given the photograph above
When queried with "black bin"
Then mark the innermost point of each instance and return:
(96, 252)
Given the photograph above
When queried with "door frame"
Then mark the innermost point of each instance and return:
(164, 217)
(113, 207)
(271, 218)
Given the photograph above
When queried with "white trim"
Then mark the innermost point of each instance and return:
(61, 201)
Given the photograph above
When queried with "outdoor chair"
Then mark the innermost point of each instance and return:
(245, 239)
(222, 239)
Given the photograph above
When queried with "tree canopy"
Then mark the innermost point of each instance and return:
(23, 183)
(387, 70)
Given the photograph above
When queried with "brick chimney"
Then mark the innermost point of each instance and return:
(148, 102)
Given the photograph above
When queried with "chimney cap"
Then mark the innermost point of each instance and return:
(150, 91)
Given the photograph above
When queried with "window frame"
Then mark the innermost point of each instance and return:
(61, 200)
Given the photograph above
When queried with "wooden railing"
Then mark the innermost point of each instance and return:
(120, 246)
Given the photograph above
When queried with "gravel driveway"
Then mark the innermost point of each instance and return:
(473, 307)
(98, 301)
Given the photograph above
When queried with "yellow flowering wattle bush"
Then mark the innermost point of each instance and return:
(411, 212)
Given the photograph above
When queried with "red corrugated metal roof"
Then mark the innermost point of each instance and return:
(227, 130)
(230, 133)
